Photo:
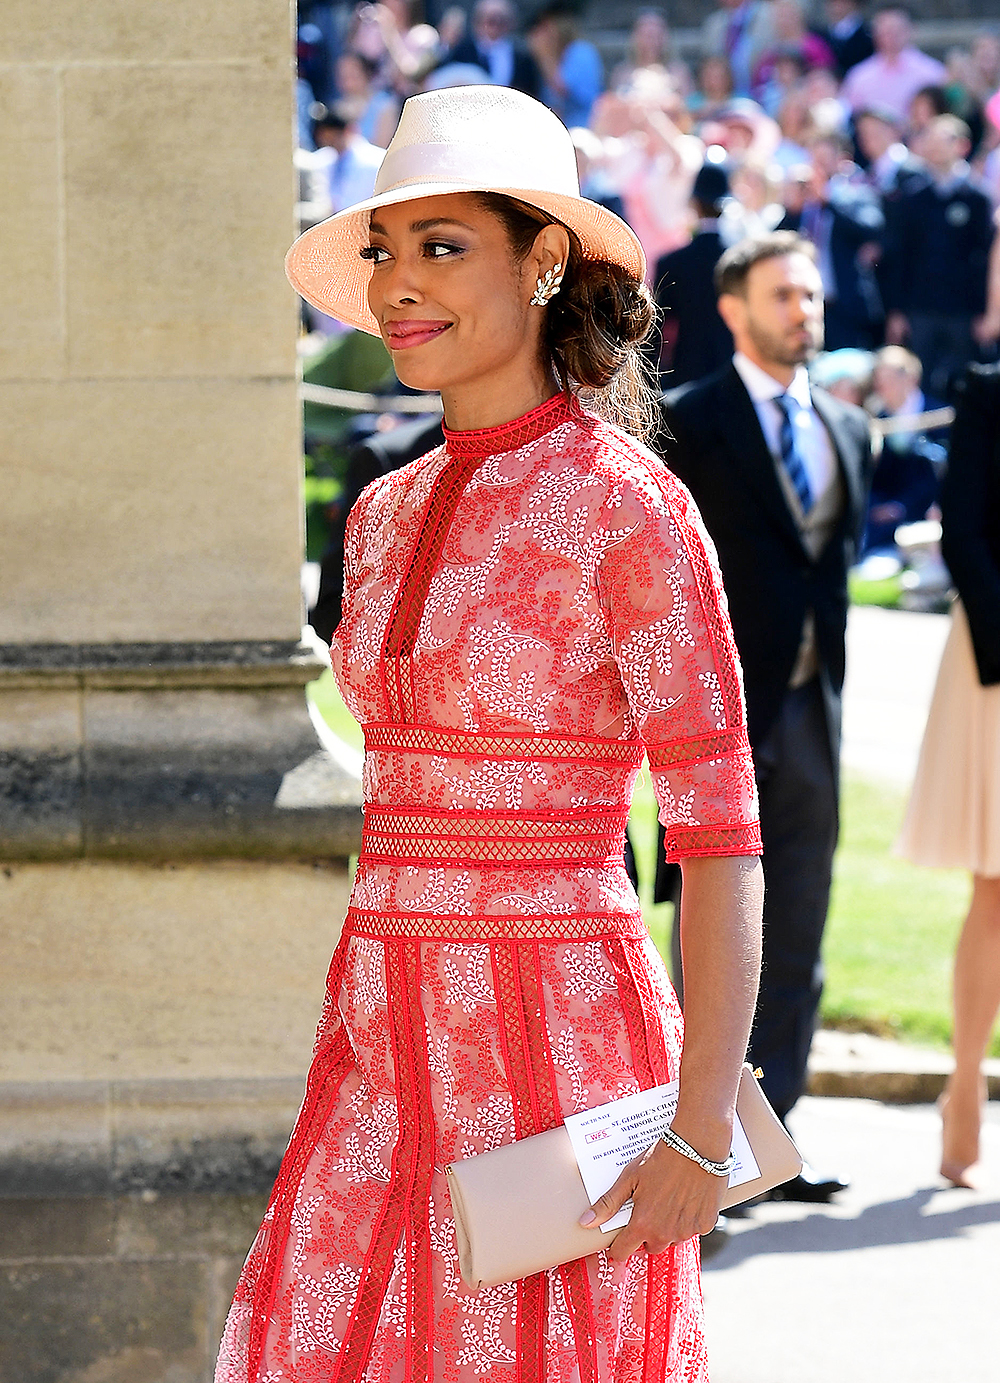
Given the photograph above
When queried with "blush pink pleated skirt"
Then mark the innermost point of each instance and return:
(953, 817)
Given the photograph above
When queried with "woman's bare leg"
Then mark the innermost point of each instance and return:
(976, 997)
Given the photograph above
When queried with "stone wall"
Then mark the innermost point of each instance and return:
(147, 390)
(127, 1289)
(174, 829)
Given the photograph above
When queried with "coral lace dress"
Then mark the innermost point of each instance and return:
(528, 610)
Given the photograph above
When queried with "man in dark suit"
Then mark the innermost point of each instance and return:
(696, 340)
(907, 477)
(849, 37)
(780, 472)
(843, 218)
(937, 258)
(493, 46)
(890, 168)
(381, 453)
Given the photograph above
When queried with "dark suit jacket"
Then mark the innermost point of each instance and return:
(852, 217)
(970, 511)
(526, 76)
(851, 50)
(937, 250)
(381, 453)
(720, 453)
(685, 291)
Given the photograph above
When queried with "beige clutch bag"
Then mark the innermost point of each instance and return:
(517, 1209)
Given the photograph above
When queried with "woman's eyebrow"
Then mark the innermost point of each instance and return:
(432, 221)
(377, 228)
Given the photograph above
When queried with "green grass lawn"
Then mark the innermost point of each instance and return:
(892, 927)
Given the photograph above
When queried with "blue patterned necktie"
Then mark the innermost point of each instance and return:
(790, 458)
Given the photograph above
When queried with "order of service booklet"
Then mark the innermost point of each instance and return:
(607, 1138)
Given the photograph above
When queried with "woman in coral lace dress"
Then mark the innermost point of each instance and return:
(528, 610)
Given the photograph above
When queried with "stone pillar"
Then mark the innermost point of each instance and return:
(173, 835)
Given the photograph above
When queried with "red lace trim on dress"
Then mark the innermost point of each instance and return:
(524, 1046)
(491, 441)
(532, 1078)
(491, 839)
(690, 842)
(724, 744)
(467, 450)
(649, 1057)
(498, 744)
(408, 608)
(404, 1211)
(385, 926)
(326, 1074)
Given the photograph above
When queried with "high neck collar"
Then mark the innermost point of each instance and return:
(490, 441)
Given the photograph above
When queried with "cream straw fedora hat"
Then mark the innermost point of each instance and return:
(463, 139)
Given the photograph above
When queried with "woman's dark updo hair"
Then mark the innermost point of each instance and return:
(595, 326)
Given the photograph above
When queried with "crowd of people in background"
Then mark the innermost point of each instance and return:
(814, 174)
(825, 122)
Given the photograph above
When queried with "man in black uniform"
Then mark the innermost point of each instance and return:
(780, 472)
(848, 35)
(696, 340)
(936, 258)
(494, 46)
(891, 169)
(843, 218)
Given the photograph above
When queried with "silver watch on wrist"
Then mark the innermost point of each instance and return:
(717, 1169)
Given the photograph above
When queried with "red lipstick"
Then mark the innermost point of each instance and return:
(405, 333)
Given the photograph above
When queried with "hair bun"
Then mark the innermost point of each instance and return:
(599, 318)
(596, 326)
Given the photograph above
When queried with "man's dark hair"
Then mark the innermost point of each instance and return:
(936, 97)
(734, 266)
(369, 65)
(337, 116)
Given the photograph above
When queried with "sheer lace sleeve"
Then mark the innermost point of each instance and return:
(668, 621)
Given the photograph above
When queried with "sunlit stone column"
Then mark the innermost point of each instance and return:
(173, 837)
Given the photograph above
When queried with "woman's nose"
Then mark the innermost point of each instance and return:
(402, 283)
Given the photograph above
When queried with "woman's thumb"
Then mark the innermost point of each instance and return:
(611, 1202)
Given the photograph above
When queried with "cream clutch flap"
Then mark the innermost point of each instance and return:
(517, 1208)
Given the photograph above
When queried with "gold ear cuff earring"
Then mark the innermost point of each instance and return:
(547, 286)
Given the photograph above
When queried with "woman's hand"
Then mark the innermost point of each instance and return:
(672, 1200)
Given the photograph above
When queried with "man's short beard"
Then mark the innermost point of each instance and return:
(774, 349)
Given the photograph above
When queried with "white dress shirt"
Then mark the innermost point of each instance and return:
(500, 59)
(815, 450)
(352, 176)
(812, 441)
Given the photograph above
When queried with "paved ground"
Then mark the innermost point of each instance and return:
(896, 1283)
(892, 661)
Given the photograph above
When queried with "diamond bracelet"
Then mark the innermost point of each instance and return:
(717, 1169)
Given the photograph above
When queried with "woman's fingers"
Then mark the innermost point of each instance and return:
(673, 1199)
(612, 1201)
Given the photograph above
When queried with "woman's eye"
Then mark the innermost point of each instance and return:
(441, 249)
(375, 253)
